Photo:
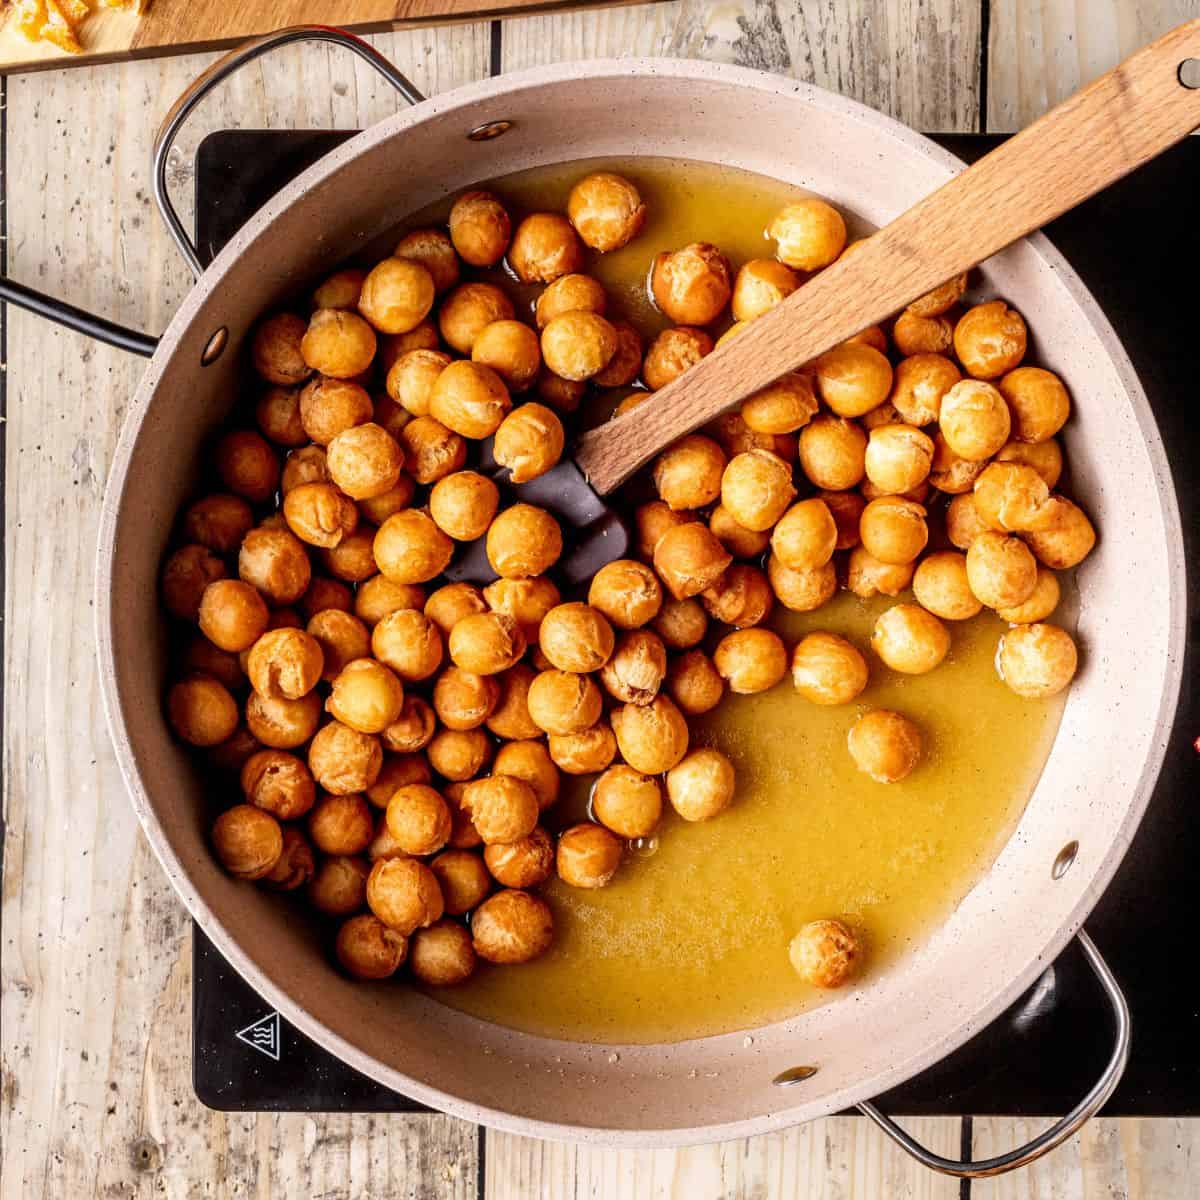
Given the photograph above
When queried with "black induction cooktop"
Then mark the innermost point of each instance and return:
(1137, 248)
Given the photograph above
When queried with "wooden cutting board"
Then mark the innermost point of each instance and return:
(180, 26)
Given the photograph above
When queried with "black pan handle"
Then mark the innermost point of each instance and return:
(71, 317)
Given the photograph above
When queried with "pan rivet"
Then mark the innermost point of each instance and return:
(489, 130)
(1066, 856)
(215, 347)
(1189, 73)
(793, 1076)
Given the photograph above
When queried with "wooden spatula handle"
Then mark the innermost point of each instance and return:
(1091, 140)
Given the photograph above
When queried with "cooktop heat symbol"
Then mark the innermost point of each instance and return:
(263, 1035)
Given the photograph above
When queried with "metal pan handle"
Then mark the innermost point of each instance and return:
(1060, 1130)
(221, 70)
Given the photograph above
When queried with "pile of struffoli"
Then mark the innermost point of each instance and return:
(397, 741)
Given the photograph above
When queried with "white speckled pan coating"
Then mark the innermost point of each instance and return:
(1095, 786)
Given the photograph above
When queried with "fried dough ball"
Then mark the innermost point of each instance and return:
(413, 729)
(338, 343)
(186, 576)
(940, 584)
(418, 819)
(1043, 600)
(274, 562)
(586, 752)
(636, 669)
(464, 700)
(563, 395)
(410, 548)
(806, 536)
(342, 639)
(412, 376)
(1064, 536)
(913, 334)
(383, 845)
(750, 660)
(398, 770)
(951, 473)
(756, 489)
(232, 615)
(353, 558)
(943, 297)
(688, 473)
(397, 295)
(486, 643)
(691, 286)
(990, 339)
(247, 841)
(523, 541)
(322, 594)
(524, 863)
(201, 657)
(404, 894)
(469, 399)
(1001, 570)
(544, 248)
(974, 420)
(247, 465)
(1037, 660)
(824, 953)
(735, 437)
(479, 228)
(694, 683)
(652, 737)
(785, 406)
(331, 406)
(511, 926)
(508, 716)
(463, 878)
(530, 760)
(339, 886)
(306, 465)
(588, 855)
(366, 696)
(833, 452)
(653, 520)
(320, 514)
(688, 559)
(1011, 496)
(526, 600)
(1038, 402)
(909, 639)
(393, 347)
(576, 637)
(810, 234)
(285, 663)
(463, 504)
(468, 310)
(893, 529)
(201, 711)
(570, 293)
(681, 624)
(919, 385)
(511, 349)
(364, 461)
(801, 591)
(459, 754)
(431, 451)
(564, 702)
(741, 597)
(626, 592)
(853, 378)
(736, 538)
(1045, 458)
(759, 286)
(218, 522)
(367, 949)
(827, 669)
(275, 350)
(885, 745)
(846, 508)
(442, 956)
(898, 458)
(435, 252)
(626, 363)
(606, 210)
(341, 825)
(295, 866)
(578, 345)
(409, 643)
(671, 353)
(451, 603)
(283, 724)
(627, 802)
(503, 808)
(701, 785)
(529, 442)
(377, 509)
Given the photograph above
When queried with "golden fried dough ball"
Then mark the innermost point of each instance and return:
(636, 669)
(785, 406)
(563, 395)
(1043, 600)
(893, 529)
(469, 399)
(463, 878)
(353, 558)
(479, 228)
(486, 643)
(846, 508)
(606, 210)
(672, 353)
(377, 509)
(383, 845)
(627, 802)
(627, 592)
(387, 414)
(413, 729)
(339, 886)
(909, 639)
(275, 350)
(853, 378)
(756, 489)
(419, 819)
(435, 252)
(885, 745)
(824, 953)
(511, 349)
(201, 711)
(364, 461)
(283, 724)
(344, 761)
(218, 522)
(464, 700)
(1064, 536)
(232, 615)
(913, 334)
(563, 701)
(584, 753)
(394, 346)
(509, 716)
(990, 339)
(523, 541)
(940, 584)
(588, 855)
(1038, 401)
(576, 637)
(531, 761)
(919, 385)
(681, 624)
(295, 866)
(578, 345)
(409, 643)
(761, 284)
(331, 406)
(885, 414)
(951, 473)
(410, 548)
(463, 504)
(544, 248)
(1045, 458)
(442, 955)
(1001, 570)
(398, 770)
(833, 452)
(185, 577)
(431, 451)
(805, 536)
(320, 514)
(306, 465)
(691, 286)
(688, 473)
(741, 597)
(801, 591)
(366, 696)
(1010, 496)
(459, 754)
(898, 458)
(247, 465)
(367, 949)
(626, 363)
(285, 663)
(338, 343)
(411, 378)
(503, 808)
(396, 296)
(570, 293)
(810, 234)
(736, 538)
(247, 841)
(1037, 660)
(203, 658)
(511, 927)
(701, 785)
(688, 559)
(529, 442)
(827, 669)
(974, 420)
(524, 863)
(694, 683)
(750, 660)
(277, 415)
(342, 639)
(341, 825)
(404, 894)
(653, 520)
(526, 600)
(941, 299)
(468, 310)
(323, 593)
(448, 605)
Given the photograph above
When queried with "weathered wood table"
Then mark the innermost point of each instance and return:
(94, 1015)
